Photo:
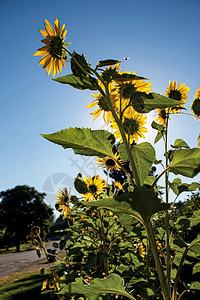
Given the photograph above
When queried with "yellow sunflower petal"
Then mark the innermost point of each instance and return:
(43, 32)
(50, 27)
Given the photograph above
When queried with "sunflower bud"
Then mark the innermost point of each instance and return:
(76, 70)
(80, 185)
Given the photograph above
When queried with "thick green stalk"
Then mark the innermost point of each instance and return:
(168, 262)
(158, 264)
(126, 144)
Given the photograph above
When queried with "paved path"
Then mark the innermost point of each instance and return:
(13, 262)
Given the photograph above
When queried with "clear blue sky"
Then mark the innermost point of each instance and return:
(160, 37)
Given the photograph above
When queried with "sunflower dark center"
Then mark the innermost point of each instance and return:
(93, 188)
(175, 94)
(162, 114)
(66, 199)
(102, 104)
(196, 107)
(131, 126)
(127, 89)
(56, 47)
(110, 162)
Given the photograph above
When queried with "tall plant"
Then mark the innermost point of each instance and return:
(125, 99)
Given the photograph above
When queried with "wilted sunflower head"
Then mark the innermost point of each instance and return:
(109, 163)
(179, 93)
(96, 186)
(54, 52)
(62, 203)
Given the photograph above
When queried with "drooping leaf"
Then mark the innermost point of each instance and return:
(161, 131)
(159, 135)
(141, 204)
(107, 62)
(77, 82)
(179, 143)
(144, 103)
(186, 162)
(143, 156)
(84, 141)
(113, 284)
(178, 187)
(198, 140)
(157, 126)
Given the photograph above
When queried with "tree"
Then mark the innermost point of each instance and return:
(21, 208)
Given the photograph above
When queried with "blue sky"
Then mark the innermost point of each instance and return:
(160, 37)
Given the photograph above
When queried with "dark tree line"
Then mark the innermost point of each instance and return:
(21, 208)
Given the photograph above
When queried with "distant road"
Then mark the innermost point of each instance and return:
(13, 262)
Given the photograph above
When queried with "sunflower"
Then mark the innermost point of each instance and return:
(141, 250)
(54, 53)
(102, 105)
(128, 88)
(109, 163)
(162, 117)
(62, 203)
(133, 126)
(197, 95)
(175, 92)
(195, 106)
(96, 186)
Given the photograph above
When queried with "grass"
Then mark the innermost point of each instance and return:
(23, 247)
(21, 286)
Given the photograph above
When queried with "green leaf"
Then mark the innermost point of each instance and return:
(149, 180)
(126, 77)
(186, 162)
(195, 285)
(147, 102)
(141, 204)
(182, 223)
(198, 140)
(84, 141)
(179, 143)
(143, 156)
(158, 136)
(195, 219)
(161, 131)
(113, 284)
(77, 82)
(180, 243)
(107, 62)
(196, 268)
(157, 126)
(178, 187)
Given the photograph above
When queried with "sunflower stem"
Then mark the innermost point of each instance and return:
(168, 279)
(126, 144)
(158, 264)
